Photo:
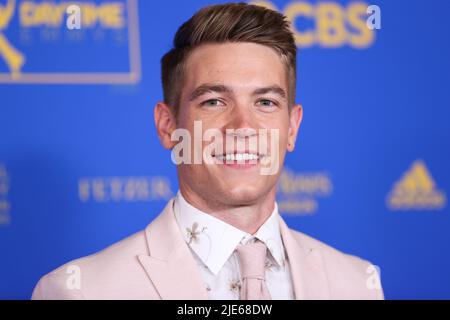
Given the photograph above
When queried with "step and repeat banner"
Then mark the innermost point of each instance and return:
(81, 166)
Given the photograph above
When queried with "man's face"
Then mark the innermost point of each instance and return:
(238, 70)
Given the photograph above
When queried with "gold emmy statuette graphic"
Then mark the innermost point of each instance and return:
(13, 58)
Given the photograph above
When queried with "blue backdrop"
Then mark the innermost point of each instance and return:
(81, 166)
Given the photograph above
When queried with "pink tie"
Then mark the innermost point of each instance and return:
(252, 260)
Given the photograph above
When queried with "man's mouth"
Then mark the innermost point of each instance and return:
(239, 160)
(237, 157)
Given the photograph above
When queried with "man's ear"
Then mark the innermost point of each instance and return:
(165, 122)
(295, 119)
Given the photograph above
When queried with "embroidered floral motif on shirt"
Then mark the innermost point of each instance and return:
(235, 285)
(193, 233)
(269, 265)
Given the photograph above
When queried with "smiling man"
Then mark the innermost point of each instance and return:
(233, 71)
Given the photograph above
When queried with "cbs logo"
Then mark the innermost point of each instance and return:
(327, 24)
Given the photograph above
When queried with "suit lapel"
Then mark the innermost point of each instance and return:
(175, 274)
(306, 266)
(170, 265)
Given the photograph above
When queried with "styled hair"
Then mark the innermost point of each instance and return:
(230, 22)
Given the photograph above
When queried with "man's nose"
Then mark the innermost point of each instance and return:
(242, 120)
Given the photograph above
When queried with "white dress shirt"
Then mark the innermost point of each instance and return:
(213, 243)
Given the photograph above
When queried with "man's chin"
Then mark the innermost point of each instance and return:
(242, 195)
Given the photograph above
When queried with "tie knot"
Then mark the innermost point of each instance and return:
(252, 260)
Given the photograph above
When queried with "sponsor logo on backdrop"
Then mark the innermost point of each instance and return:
(5, 205)
(416, 190)
(329, 24)
(124, 189)
(38, 43)
(299, 193)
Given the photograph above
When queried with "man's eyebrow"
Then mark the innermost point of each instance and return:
(220, 88)
(271, 89)
(207, 87)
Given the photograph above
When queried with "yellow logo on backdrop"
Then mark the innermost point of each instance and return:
(13, 58)
(109, 15)
(50, 18)
(5, 206)
(334, 25)
(124, 189)
(416, 190)
(298, 193)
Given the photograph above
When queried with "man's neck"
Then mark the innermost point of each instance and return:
(248, 218)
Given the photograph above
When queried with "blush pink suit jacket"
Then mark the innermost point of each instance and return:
(156, 263)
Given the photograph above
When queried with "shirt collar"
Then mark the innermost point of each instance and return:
(214, 240)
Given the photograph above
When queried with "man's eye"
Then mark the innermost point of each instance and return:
(267, 103)
(211, 103)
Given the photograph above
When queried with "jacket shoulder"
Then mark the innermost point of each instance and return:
(93, 276)
(348, 276)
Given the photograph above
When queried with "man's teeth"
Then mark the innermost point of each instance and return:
(238, 157)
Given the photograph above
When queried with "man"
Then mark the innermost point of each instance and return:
(233, 72)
